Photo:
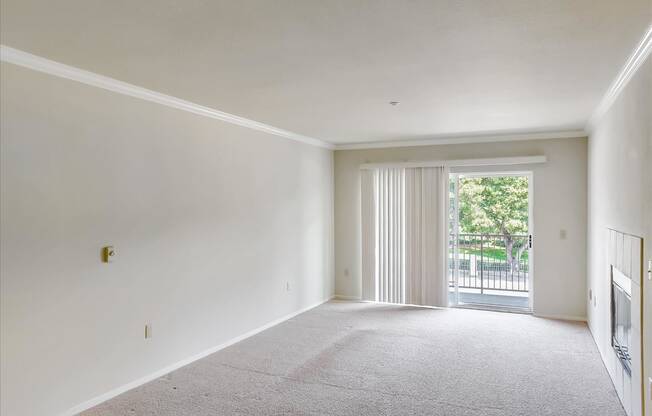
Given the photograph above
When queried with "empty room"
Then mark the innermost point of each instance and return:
(326, 207)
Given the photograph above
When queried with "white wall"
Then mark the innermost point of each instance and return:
(559, 203)
(620, 196)
(209, 221)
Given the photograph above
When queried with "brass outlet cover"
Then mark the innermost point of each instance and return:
(108, 254)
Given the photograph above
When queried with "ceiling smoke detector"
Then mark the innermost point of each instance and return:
(394, 103)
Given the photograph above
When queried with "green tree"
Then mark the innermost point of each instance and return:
(496, 205)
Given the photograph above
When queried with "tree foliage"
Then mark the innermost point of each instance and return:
(493, 205)
(496, 205)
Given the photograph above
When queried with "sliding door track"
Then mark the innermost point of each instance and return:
(493, 308)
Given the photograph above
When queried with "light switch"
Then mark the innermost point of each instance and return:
(562, 234)
(108, 254)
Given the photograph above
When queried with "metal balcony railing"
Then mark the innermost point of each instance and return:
(489, 261)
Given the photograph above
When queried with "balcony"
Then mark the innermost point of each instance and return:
(489, 270)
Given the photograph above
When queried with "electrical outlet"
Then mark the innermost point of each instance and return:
(148, 331)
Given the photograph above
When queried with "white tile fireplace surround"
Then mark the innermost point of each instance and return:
(625, 269)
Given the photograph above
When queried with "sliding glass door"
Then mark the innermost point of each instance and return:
(490, 242)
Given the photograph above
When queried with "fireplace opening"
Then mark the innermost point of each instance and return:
(621, 317)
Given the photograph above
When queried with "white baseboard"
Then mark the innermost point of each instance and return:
(119, 390)
(561, 317)
(343, 297)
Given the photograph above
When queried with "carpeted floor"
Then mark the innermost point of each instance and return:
(347, 358)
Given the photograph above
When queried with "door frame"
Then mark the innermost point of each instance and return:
(457, 173)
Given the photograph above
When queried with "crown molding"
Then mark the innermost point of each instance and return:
(57, 69)
(635, 61)
(568, 134)
(496, 161)
(37, 63)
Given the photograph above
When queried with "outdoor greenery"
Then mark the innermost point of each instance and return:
(496, 205)
(496, 253)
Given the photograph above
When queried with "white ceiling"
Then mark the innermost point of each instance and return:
(328, 68)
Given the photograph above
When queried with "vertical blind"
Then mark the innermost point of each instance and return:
(404, 235)
(390, 232)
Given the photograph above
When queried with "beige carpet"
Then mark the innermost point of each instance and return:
(346, 358)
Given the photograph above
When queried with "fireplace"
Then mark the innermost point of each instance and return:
(621, 317)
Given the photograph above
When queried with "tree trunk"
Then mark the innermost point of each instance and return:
(512, 261)
(509, 245)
